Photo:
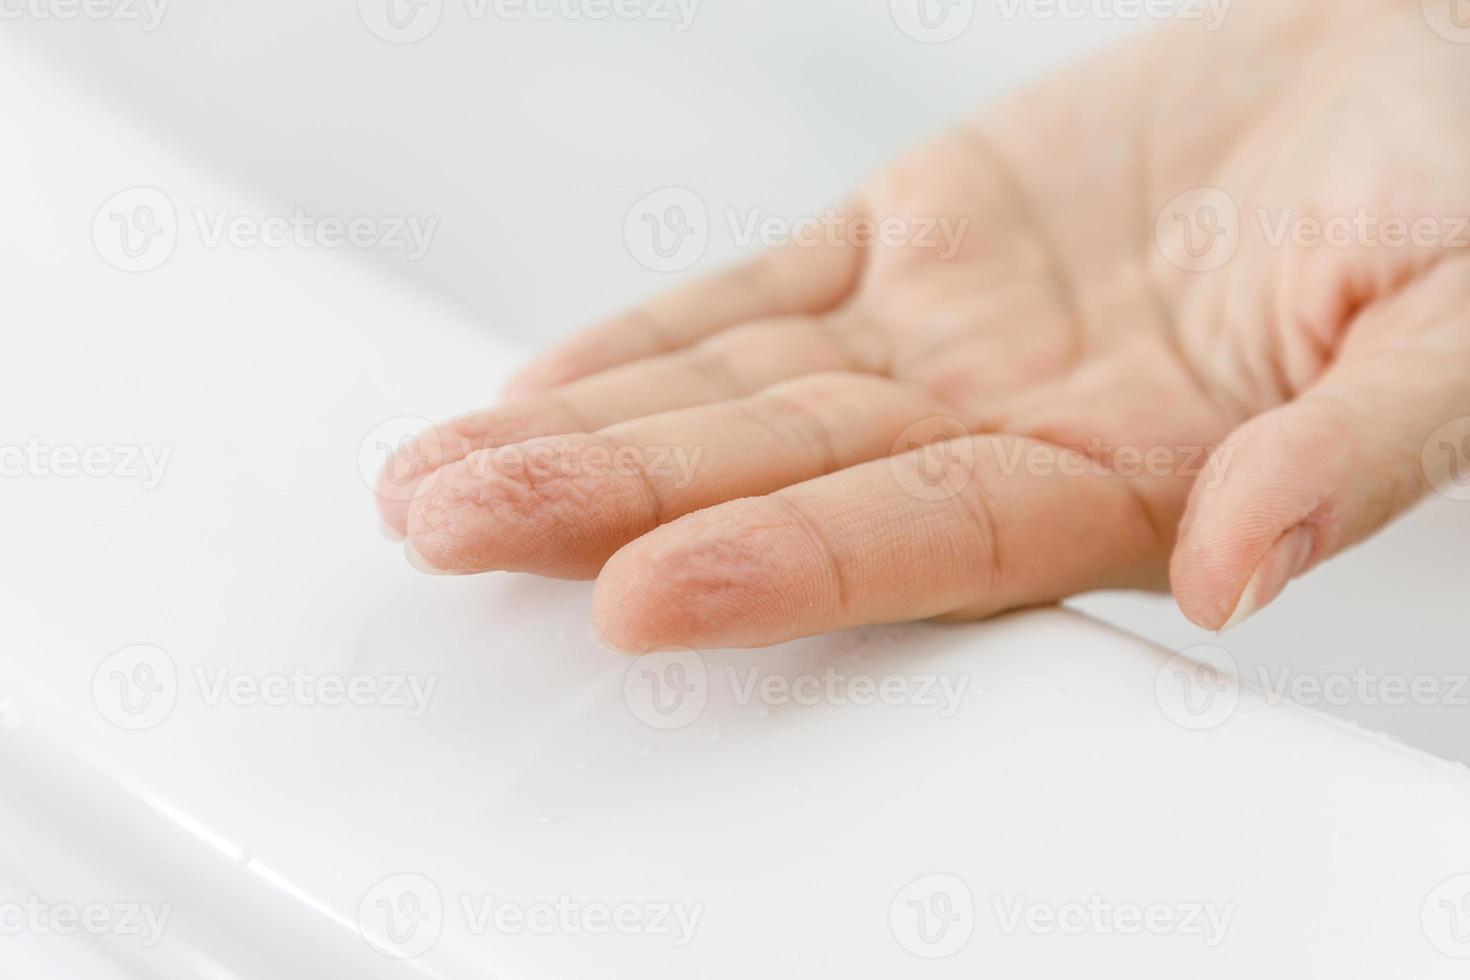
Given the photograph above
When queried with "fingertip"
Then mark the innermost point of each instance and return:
(705, 581)
(416, 559)
(625, 606)
(599, 638)
(424, 544)
(404, 471)
(1201, 584)
(526, 508)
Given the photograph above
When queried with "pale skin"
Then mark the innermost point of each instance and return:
(1273, 411)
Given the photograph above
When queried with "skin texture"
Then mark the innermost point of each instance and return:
(1072, 400)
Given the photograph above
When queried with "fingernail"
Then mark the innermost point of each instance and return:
(421, 563)
(1286, 560)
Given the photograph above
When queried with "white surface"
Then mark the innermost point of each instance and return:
(1064, 776)
(530, 140)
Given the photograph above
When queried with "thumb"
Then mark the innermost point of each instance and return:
(1305, 481)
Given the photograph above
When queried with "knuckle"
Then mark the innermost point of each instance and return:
(797, 419)
(825, 387)
(746, 340)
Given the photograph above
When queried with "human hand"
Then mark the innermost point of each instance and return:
(1138, 368)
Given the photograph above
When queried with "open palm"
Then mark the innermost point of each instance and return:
(1210, 299)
